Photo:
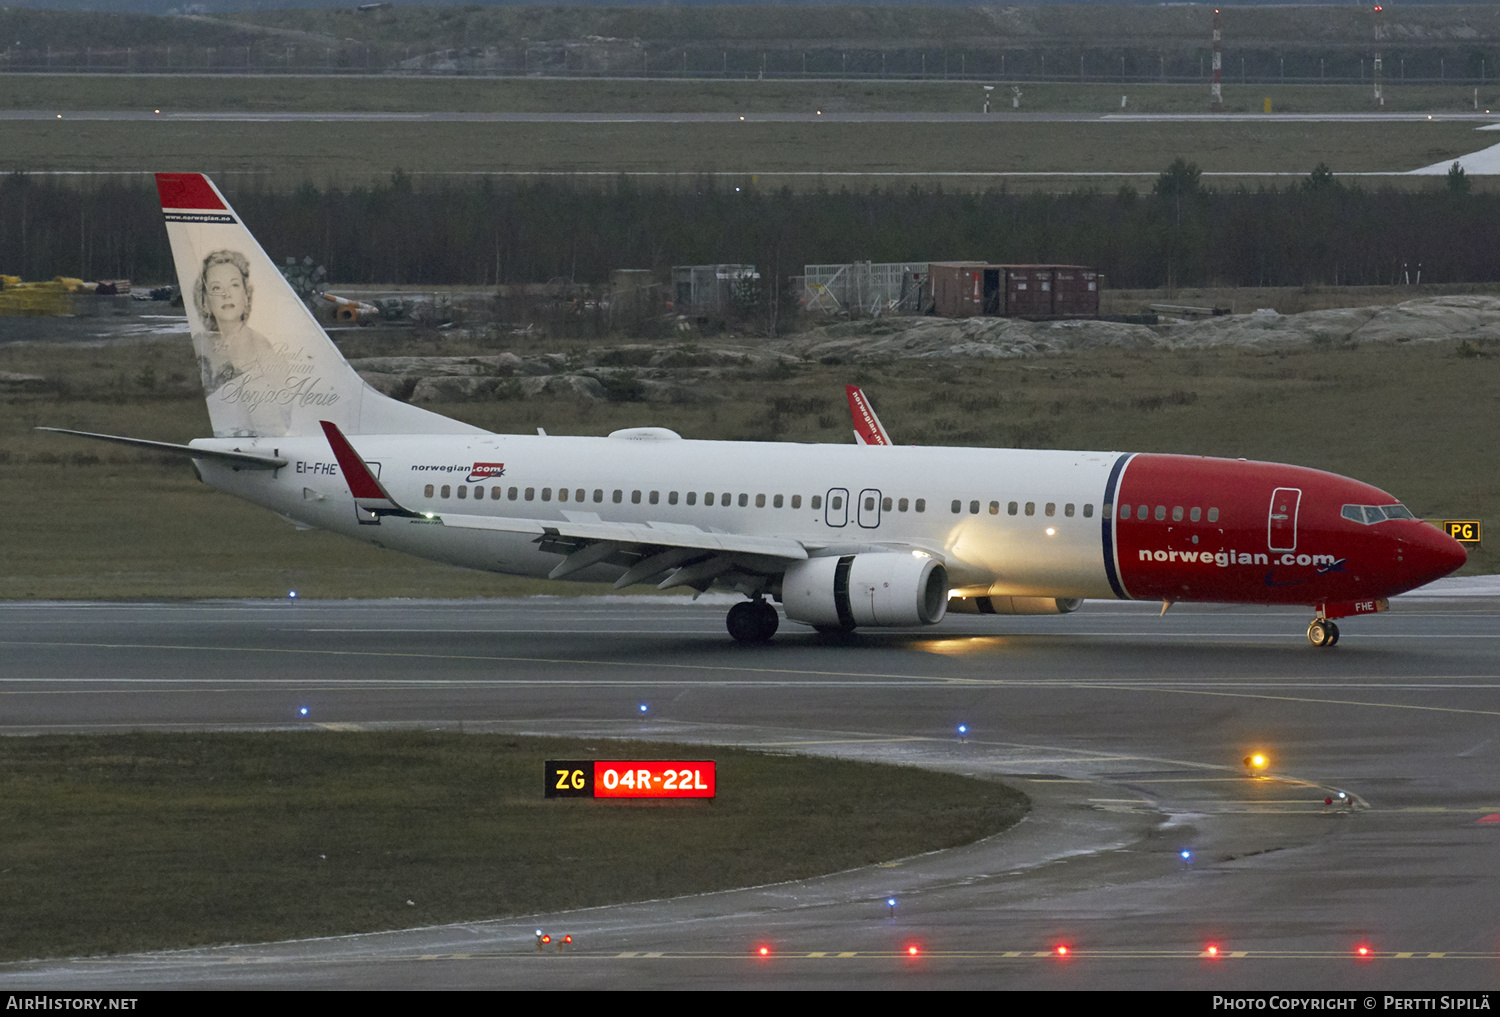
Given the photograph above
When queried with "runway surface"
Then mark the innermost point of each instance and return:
(811, 116)
(1127, 729)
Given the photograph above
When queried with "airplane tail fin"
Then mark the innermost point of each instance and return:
(867, 427)
(268, 367)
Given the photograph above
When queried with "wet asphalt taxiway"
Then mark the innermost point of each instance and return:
(1127, 729)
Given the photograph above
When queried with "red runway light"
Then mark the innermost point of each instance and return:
(912, 951)
(1062, 951)
(1212, 950)
(546, 939)
(764, 951)
(1362, 950)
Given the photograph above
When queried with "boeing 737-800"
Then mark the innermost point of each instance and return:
(842, 536)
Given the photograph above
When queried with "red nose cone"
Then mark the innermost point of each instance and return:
(1428, 553)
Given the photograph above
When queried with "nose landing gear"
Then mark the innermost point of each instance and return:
(1321, 632)
(752, 621)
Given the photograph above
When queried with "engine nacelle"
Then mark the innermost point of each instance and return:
(1014, 605)
(882, 588)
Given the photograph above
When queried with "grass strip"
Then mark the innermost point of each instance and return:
(150, 841)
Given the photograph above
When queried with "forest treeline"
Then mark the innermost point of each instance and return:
(489, 231)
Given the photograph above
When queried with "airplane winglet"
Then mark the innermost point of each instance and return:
(867, 426)
(369, 494)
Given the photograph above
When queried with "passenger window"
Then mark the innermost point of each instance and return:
(1124, 511)
(1031, 508)
(578, 494)
(885, 504)
(598, 495)
(1051, 508)
(635, 497)
(708, 498)
(514, 493)
(1176, 513)
(1105, 511)
(446, 490)
(463, 492)
(744, 500)
(901, 505)
(724, 499)
(654, 497)
(1142, 512)
(617, 496)
(1213, 515)
(815, 502)
(495, 493)
(1088, 511)
(1012, 508)
(562, 494)
(974, 508)
(1068, 510)
(776, 501)
(1195, 515)
(870, 504)
(994, 508)
(692, 497)
(760, 501)
(672, 498)
(921, 505)
(797, 501)
(427, 492)
(546, 494)
(835, 503)
(1161, 513)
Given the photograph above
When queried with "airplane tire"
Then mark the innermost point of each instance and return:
(753, 621)
(770, 621)
(1319, 635)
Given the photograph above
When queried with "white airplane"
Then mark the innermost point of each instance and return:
(869, 534)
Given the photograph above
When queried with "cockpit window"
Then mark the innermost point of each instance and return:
(1371, 514)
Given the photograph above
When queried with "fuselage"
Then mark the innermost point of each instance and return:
(1004, 522)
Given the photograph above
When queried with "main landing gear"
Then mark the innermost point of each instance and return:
(753, 621)
(1321, 632)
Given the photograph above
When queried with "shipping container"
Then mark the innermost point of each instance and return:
(972, 289)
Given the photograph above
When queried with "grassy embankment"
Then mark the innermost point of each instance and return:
(265, 836)
(799, 155)
(357, 94)
(95, 521)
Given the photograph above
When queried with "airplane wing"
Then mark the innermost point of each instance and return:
(867, 426)
(683, 554)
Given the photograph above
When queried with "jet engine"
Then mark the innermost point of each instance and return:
(881, 588)
(1014, 605)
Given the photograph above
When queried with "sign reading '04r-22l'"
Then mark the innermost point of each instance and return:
(623, 778)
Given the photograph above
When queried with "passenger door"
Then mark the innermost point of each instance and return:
(868, 512)
(1281, 527)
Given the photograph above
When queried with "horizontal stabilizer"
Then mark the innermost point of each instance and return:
(241, 460)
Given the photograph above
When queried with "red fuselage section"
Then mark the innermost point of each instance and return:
(1190, 528)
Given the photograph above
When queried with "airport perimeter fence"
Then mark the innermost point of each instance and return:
(1470, 67)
